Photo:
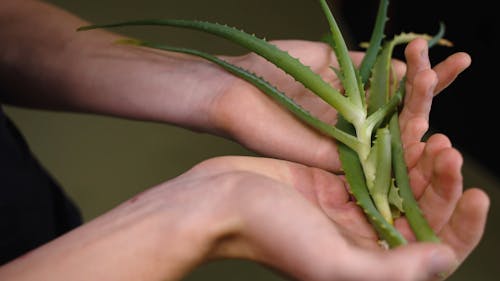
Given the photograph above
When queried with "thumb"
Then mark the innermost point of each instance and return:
(416, 262)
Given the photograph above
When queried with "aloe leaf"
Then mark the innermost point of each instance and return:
(262, 85)
(349, 80)
(357, 186)
(375, 42)
(337, 72)
(380, 84)
(380, 80)
(438, 38)
(278, 57)
(351, 109)
(381, 105)
(413, 213)
(382, 180)
(394, 197)
(380, 89)
(382, 115)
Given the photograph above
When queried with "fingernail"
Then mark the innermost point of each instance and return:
(441, 263)
(423, 53)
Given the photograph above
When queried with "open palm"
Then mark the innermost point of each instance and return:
(256, 121)
(276, 227)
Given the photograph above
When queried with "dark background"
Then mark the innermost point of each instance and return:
(467, 111)
(103, 161)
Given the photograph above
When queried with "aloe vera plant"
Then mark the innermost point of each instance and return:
(368, 133)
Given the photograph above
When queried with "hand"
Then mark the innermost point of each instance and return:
(272, 224)
(136, 83)
(256, 121)
(296, 219)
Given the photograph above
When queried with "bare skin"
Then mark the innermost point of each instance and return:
(297, 218)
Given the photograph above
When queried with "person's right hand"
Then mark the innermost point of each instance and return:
(138, 83)
(247, 115)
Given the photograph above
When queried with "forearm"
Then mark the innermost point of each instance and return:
(45, 63)
(151, 237)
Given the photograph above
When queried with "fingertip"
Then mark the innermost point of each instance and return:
(425, 261)
(321, 156)
(356, 56)
(463, 59)
(438, 140)
(479, 200)
(447, 171)
(399, 67)
(467, 225)
(450, 68)
(441, 262)
(449, 160)
(416, 48)
(439, 258)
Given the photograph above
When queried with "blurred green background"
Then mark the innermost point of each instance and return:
(102, 161)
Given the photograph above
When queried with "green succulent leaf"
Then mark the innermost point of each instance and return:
(349, 79)
(394, 198)
(354, 174)
(374, 166)
(280, 58)
(375, 44)
(262, 85)
(416, 219)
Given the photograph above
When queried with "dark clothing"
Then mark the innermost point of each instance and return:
(33, 208)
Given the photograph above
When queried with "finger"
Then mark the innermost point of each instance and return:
(357, 57)
(422, 261)
(413, 130)
(449, 69)
(421, 175)
(435, 179)
(399, 68)
(416, 54)
(466, 226)
(319, 251)
(413, 153)
(440, 198)
(418, 102)
(414, 117)
(420, 84)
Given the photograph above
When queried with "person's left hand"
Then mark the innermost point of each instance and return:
(296, 219)
(457, 217)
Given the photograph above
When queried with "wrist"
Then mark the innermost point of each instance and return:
(161, 234)
(192, 222)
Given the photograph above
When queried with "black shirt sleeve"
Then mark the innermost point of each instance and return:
(33, 207)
